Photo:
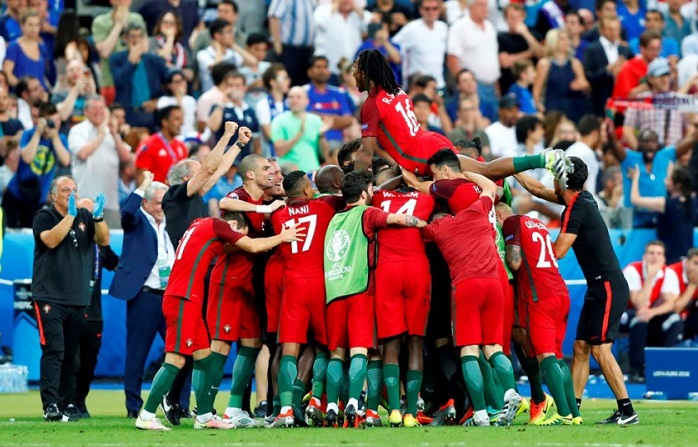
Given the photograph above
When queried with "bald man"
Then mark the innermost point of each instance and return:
(328, 179)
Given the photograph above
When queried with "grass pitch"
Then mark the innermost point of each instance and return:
(661, 423)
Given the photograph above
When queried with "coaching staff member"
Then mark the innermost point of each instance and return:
(64, 238)
(140, 279)
(584, 230)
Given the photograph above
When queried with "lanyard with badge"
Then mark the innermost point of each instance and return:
(95, 274)
(167, 146)
(164, 268)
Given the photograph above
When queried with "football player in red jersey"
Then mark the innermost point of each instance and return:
(477, 314)
(388, 123)
(403, 287)
(186, 329)
(530, 253)
(302, 306)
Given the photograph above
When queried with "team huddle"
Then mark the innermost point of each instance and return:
(387, 278)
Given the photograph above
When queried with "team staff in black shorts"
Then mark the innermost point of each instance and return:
(607, 295)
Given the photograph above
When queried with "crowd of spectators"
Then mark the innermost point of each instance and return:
(151, 82)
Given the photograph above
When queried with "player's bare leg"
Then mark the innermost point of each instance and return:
(261, 376)
(580, 368)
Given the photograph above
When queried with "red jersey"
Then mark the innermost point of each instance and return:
(403, 243)
(679, 268)
(203, 241)
(466, 242)
(157, 155)
(305, 258)
(538, 277)
(458, 194)
(256, 221)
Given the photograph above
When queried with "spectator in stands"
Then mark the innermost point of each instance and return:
(277, 83)
(10, 21)
(603, 60)
(220, 73)
(67, 40)
(299, 136)
(29, 92)
(328, 101)
(234, 108)
(652, 321)
(107, 31)
(379, 39)
(668, 124)
(11, 127)
(127, 179)
(524, 74)
(10, 164)
(176, 95)
(605, 9)
(71, 99)
(230, 181)
(27, 56)
(186, 10)
(575, 27)
(166, 42)
(472, 44)
(438, 117)
(423, 111)
(590, 132)
(222, 49)
(516, 44)
(678, 211)
(677, 26)
(97, 149)
(632, 15)
(423, 43)
(225, 10)
(654, 21)
(399, 14)
(42, 149)
(292, 32)
(632, 72)
(610, 197)
(558, 128)
(466, 88)
(687, 303)
(138, 77)
(551, 16)
(339, 28)
(468, 126)
(562, 77)
(258, 47)
(119, 113)
(162, 150)
(502, 133)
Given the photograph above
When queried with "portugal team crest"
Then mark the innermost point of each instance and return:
(47, 308)
(338, 247)
(82, 226)
(227, 328)
(189, 342)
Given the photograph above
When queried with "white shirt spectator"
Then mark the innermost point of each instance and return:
(689, 45)
(24, 114)
(188, 107)
(455, 11)
(588, 156)
(337, 37)
(476, 48)
(423, 49)
(610, 49)
(98, 173)
(670, 285)
(495, 14)
(207, 57)
(502, 139)
(166, 251)
(204, 106)
(687, 67)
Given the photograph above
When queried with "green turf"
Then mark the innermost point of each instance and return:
(662, 423)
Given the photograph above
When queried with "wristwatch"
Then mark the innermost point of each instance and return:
(240, 144)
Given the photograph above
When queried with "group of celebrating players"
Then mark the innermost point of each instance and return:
(365, 269)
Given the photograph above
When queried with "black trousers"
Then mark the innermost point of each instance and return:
(90, 344)
(60, 330)
(661, 331)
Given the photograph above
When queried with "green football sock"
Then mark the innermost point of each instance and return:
(357, 375)
(391, 377)
(532, 369)
(374, 380)
(505, 372)
(242, 372)
(473, 381)
(494, 397)
(526, 162)
(345, 382)
(276, 406)
(552, 374)
(335, 376)
(319, 373)
(200, 380)
(414, 384)
(299, 389)
(215, 373)
(569, 388)
(162, 382)
(288, 370)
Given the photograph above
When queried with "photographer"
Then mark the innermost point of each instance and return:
(41, 149)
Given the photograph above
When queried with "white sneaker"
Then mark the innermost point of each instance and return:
(242, 420)
(213, 423)
(152, 424)
(512, 402)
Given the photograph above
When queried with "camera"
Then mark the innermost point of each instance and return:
(50, 124)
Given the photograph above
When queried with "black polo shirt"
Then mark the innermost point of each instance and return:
(181, 210)
(511, 43)
(64, 274)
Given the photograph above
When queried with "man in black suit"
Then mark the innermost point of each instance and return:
(603, 60)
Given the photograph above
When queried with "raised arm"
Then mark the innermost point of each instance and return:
(536, 188)
(657, 204)
(213, 161)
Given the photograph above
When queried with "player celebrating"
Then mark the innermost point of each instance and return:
(403, 287)
(388, 120)
(583, 229)
(477, 296)
(303, 299)
(181, 305)
(529, 252)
